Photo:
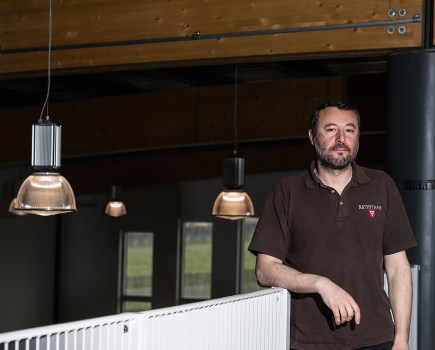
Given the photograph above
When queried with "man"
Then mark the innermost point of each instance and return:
(328, 234)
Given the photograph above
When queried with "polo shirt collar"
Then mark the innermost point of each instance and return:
(359, 176)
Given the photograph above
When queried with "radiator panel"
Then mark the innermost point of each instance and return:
(251, 321)
(259, 320)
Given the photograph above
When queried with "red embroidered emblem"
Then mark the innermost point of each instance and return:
(372, 213)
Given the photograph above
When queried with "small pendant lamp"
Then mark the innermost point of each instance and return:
(115, 207)
(233, 203)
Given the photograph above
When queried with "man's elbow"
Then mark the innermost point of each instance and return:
(260, 279)
(263, 275)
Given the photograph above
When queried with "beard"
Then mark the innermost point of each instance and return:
(327, 160)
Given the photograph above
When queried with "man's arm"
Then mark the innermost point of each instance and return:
(271, 272)
(400, 293)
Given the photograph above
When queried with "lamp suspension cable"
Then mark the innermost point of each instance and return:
(50, 34)
(236, 141)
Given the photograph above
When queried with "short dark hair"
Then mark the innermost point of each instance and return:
(344, 106)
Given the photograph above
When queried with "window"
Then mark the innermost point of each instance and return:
(247, 273)
(196, 259)
(137, 271)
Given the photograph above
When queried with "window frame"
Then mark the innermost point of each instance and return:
(181, 263)
(122, 297)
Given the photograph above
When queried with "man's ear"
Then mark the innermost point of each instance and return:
(311, 136)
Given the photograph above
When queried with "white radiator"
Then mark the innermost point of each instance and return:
(111, 332)
(252, 321)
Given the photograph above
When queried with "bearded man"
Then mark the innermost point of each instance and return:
(328, 234)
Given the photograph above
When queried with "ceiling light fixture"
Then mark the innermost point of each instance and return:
(115, 207)
(46, 192)
(233, 203)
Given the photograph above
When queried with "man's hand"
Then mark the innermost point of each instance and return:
(342, 305)
(272, 272)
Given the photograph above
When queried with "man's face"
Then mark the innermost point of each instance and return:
(337, 138)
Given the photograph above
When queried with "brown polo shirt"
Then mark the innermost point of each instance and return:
(344, 238)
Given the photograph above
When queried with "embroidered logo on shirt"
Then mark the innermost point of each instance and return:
(371, 208)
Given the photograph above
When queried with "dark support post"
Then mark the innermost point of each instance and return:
(410, 161)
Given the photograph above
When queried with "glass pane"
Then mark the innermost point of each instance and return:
(136, 306)
(249, 281)
(197, 250)
(138, 263)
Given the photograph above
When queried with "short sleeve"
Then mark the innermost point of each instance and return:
(272, 235)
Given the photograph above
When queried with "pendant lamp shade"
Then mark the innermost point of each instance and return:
(233, 203)
(46, 192)
(115, 207)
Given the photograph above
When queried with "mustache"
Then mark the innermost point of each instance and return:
(340, 146)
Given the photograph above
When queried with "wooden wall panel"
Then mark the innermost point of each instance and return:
(192, 117)
(24, 25)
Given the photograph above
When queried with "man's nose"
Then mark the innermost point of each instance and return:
(340, 136)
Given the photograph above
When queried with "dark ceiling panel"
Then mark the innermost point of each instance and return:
(76, 86)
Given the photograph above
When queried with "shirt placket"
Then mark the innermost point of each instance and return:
(340, 204)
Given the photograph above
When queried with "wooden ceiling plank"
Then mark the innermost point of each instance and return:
(97, 23)
(345, 40)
